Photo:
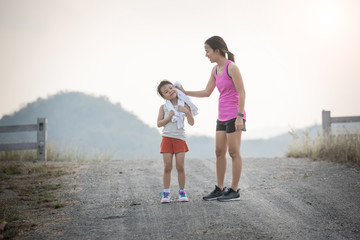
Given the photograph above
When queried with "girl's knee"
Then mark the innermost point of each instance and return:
(180, 167)
(168, 168)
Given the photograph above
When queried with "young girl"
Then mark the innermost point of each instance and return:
(171, 117)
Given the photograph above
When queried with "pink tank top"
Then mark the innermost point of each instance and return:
(229, 97)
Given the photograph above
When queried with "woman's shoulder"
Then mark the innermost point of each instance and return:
(214, 68)
(232, 66)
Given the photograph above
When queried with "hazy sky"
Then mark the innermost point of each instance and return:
(296, 57)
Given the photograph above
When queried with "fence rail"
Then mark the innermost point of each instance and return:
(40, 127)
(327, 120)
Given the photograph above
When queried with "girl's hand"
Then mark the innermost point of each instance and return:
(171, 113)
(239, 124)
(182, 109)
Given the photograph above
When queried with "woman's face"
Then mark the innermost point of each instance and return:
(210, 53)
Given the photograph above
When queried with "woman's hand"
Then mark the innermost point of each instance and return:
(181, 89)
(239, 124)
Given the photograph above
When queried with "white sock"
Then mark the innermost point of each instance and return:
(167, 190)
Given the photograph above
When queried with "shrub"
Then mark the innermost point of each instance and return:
(339, 147)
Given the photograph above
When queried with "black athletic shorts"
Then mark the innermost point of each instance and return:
(228, 126)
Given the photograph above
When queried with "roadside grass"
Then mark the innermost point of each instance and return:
(28, 188)
(53, 154)
(338, 147)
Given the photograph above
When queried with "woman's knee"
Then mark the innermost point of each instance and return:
(220, 152)
(234, 154)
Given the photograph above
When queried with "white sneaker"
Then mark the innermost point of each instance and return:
(166, 197)
(182, 196)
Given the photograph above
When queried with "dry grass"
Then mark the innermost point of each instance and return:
(28, 190)
(53, 154)
(344, 147)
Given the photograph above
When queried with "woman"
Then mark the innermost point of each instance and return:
(231, 115)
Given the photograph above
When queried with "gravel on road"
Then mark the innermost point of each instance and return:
(281, 198)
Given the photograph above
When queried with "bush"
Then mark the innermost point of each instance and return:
(340, 147)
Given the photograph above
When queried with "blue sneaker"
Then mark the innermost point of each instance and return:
(166, 197)
(182, 196)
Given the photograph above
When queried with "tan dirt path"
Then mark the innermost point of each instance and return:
(280, 199)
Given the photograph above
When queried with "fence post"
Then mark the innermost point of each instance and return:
(41, 138)
(326, 122)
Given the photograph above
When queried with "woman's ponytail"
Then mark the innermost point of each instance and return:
(231, 56)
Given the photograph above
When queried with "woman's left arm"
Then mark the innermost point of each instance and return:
(235, 74)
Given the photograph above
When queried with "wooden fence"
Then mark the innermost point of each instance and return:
(40, 145)
(327, 120)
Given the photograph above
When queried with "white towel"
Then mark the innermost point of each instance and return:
(179, 116)
(182, 99)
(182, 96)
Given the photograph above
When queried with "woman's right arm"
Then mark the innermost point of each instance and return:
(207, 91)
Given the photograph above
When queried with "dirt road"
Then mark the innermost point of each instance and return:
(280, 199)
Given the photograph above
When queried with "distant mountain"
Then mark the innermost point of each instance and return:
(92, 125)
(89, 124)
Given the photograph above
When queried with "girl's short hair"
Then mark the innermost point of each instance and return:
(161, 84)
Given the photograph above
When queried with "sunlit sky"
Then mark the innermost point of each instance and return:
(296, 57)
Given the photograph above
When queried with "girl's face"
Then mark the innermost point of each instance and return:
(168, 91)
(210, 53)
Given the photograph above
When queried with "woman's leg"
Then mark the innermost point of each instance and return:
(180, 167)
(167, 157)
(220, 151)
(234, 140)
